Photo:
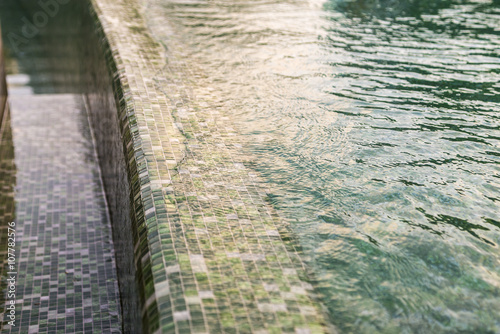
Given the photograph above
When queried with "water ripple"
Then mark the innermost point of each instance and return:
(376, 125)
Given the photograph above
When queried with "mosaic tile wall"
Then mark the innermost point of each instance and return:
(211, 255)
(98, 69)
(7, 175)
(7, 204)
(67, 279)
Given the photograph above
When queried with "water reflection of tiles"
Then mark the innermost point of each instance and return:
(67, 277)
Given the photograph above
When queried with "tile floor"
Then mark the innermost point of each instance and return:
(66, 279)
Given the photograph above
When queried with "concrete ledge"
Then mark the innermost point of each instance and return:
(209, 253)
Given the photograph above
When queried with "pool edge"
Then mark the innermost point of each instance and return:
(134, 58)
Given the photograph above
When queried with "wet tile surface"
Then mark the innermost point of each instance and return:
(212, 255)
(7, 204)
(67, 277)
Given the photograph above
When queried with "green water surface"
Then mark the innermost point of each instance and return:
(375, 125)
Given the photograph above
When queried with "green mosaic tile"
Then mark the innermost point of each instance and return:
(229, 263)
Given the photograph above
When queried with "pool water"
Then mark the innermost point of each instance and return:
(375, 126)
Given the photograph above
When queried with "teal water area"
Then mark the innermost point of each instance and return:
(375, 126)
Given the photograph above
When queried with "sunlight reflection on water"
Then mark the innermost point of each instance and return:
(376, 126)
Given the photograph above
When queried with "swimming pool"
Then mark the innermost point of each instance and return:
(374, 125)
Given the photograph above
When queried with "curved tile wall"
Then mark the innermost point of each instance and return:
(107, 107)
(193, 230)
